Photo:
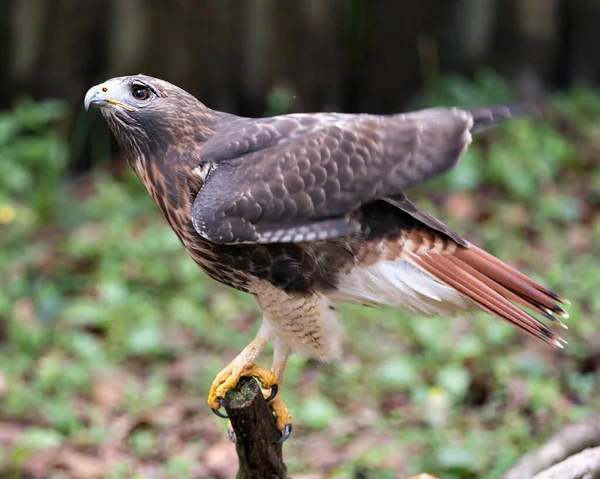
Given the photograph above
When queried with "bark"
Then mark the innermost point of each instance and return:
(585, 465)
(568, 441)
(255, 432)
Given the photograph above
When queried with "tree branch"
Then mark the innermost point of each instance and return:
(585, 465)
(256, 433)
(568, 441)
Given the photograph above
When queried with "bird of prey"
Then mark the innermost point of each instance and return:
(305, 211)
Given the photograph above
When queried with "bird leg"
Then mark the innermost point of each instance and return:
(283, 416)
(243, 365)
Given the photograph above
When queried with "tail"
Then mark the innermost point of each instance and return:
(497, 288)
(485, 118)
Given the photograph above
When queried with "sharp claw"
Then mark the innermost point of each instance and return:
(287, 430)
(219, 413)
(273, 393)
(231, 435)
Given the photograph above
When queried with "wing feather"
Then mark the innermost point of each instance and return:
(401, 202)
(287, 173)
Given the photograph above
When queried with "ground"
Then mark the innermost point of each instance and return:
(111, 335)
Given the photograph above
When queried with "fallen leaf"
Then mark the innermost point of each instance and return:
(41, 463)
(24, 313)
(220, 459)
(10, 432)
(109, 391)
(461, 206)
(2, 384)
(82, 466)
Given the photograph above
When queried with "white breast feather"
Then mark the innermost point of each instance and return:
(399, 284)
(306, 324)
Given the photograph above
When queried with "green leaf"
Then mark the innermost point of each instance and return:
(40, 438)
(318, 412)
(145, 340)
(398, 372)
(454, 379)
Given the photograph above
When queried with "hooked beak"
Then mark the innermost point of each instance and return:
(98, 96)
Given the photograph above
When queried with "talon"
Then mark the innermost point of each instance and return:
(231, 434)
(287, 430)
(244, 366)
(273, 393)
(219, 413)
(229, 377)
(283, 418)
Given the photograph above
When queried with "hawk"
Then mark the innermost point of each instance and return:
(305, 211)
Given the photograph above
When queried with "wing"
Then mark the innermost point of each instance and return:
(400, 201)
(298, 178)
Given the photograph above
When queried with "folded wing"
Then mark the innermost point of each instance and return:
(298, 178)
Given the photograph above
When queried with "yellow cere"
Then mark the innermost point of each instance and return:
(122, 105)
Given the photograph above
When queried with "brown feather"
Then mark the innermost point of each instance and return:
(302, 202)
(495, 287)
(504, 291)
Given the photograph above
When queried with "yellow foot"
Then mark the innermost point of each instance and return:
(283, 417)
(229, 377)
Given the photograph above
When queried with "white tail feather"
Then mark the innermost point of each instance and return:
(399, 284)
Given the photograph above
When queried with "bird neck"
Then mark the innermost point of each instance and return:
(172, 187)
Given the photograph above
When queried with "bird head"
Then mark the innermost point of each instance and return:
(124, 94)
(148, 115)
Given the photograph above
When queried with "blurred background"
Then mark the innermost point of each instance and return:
(110, 335)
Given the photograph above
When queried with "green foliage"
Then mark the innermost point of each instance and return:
(107, 324)
(279, 101)
(540, 155)
(32, 158)
(486, 88)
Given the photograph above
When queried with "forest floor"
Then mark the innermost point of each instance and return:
(110, 335)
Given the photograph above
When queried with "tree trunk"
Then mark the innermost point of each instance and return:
(255, 433)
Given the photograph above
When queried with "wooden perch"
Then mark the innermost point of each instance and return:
(585, 465)
(255, 432)
(568, 441)
(260, 457)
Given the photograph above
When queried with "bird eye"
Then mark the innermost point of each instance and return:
(140, 92)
